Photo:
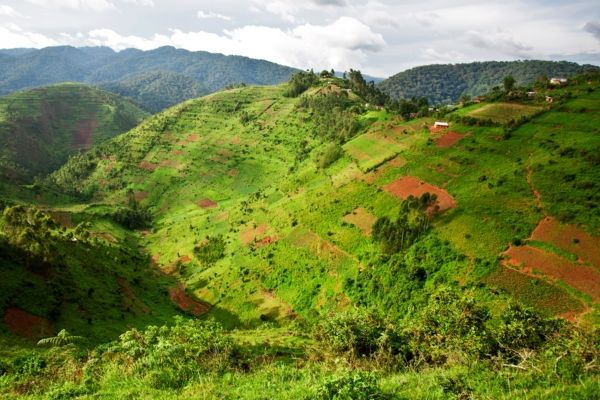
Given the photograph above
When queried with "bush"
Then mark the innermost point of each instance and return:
(211, 250)
(350, 386)
(360, 334)
(330, 155)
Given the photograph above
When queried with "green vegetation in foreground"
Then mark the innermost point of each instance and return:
(41, 128)
(247, 215)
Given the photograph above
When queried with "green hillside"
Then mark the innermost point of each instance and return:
(154, 79)
(334, 251)
(156, 91)
(446, 83)
(41, 128)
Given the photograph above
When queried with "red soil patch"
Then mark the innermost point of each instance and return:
(154, 259)
(569, 238)
(267, 240)
(533, 260)
(224, 152)
(192, 138)
(148, 166)
(82, 140)
(233, 172)
(177, 152)
(185, 259)
(207, 203)
(437, 129)
(253, 234)
(23, 324)
(140, 195)
(410, 186)
(186, 303)
(449, 139)
(236, 140)
(321, 248)
(362, 219)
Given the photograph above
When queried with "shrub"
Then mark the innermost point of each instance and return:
(211, 250)
(330, 155)
(350, 386)
(358, 333)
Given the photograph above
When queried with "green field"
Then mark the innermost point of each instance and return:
(501, 113)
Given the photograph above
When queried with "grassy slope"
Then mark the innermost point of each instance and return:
(203, 149)
(40, 128)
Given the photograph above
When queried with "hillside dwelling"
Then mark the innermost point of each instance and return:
(549, 99)
(531, 94)
(478, 99)
(441, 124)
(558, 81)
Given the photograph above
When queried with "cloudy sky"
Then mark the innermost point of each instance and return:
(381, 37)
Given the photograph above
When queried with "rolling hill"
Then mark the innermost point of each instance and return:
(334, 249)
(41, 128)
(131, 71)
(446, 83)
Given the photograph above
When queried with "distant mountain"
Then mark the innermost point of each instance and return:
(157, 90)
(448, 82)
(128, 71)
(41, 128)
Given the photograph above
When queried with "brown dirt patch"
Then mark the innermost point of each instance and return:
(82, 139)
(449, 139)
(569, 238)
(148, 166)
(23, 324)
(233, 172)
(535, 261)
(236, 140)
(64, 218)
(319, 247)
(192, 138)
(372, 177)
(177, 152)
(253, 234)
(186, 303)
(140, 195)
(411, 186)
(106, 236)
(362, 219)
(207, 203)
(185, 259)
(437, 129)
(169, 163)
(224, 152)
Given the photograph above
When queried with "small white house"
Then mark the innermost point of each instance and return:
(558, 81)
(441, 124)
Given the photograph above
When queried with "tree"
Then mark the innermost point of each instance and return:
(509, 83)
(62, 339)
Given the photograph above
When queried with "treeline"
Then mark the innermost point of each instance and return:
(448, 83)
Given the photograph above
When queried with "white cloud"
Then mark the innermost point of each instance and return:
(212, 15)
(8, 11)
(146, 3)
(91, 5)
(342, 44)
(12, 36)
(289, 9)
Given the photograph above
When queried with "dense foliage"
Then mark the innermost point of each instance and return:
(135, 73)
(158, 90)
(448, 83)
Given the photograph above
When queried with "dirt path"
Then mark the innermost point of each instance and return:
(536, 193)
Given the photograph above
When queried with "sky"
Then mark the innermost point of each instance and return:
(379, 37)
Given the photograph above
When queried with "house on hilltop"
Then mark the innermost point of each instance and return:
(441, 124)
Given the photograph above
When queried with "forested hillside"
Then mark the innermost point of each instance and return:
(157, 90)
(130, 70)
(41, 128)
(446, 83)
